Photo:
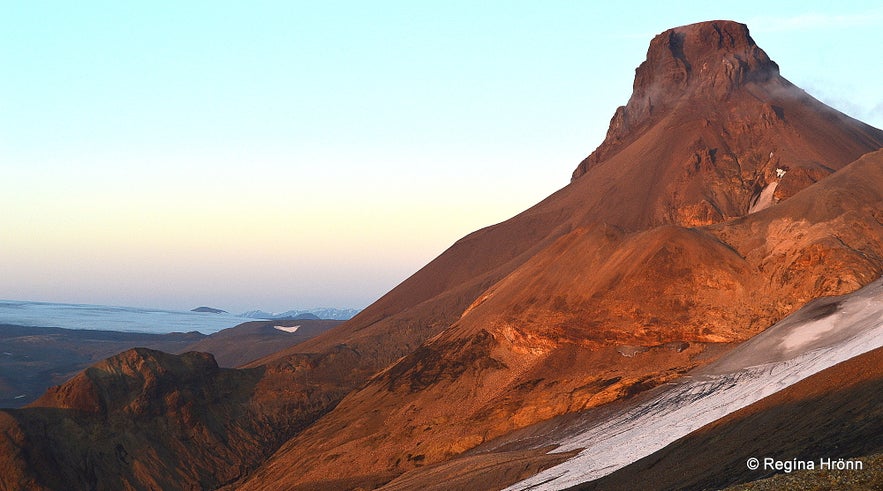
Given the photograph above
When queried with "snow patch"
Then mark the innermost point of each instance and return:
(286, 328)
(764, 199)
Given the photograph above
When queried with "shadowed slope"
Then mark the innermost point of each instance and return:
(869, 477)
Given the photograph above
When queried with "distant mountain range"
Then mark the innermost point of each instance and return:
(324, 313)
(317, 313)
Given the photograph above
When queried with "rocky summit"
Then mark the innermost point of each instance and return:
(713, 124)
(722, 199)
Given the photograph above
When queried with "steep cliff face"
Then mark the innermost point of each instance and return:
(701, 63)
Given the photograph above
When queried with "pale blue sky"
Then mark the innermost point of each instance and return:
(280, 155)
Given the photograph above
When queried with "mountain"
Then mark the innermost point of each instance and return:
(142, 419)
(650, 249)
(723, 199)
(256, 339)
(470, 384)
(738, 126)
(209, 310)
(325, 313)
(36, 358)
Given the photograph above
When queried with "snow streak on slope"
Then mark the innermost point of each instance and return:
(289, 329)
(765, 199)
(818, 336)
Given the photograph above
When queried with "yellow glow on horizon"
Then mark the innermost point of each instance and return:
(195, 224)
(225, 230)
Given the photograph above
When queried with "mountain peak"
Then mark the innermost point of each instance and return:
(711, 57)
(696, 63)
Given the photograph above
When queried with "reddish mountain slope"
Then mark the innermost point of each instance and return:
(647, 250)
(520, 355)
(617, 272)
(700, 143)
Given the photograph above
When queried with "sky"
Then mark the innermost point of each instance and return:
(281, 155)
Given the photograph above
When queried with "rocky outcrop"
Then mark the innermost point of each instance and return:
(140, 420)
(698, 64)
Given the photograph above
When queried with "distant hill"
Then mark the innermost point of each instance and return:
(209, 310)
(256, 339)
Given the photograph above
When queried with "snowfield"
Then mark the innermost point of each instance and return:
(821, 334)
